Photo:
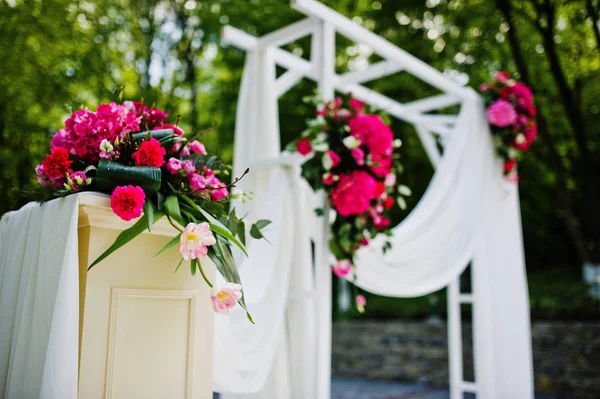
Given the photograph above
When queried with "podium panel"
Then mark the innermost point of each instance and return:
(145, 331)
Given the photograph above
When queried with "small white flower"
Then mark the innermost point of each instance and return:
(320, 147)
(327, 162)
(401, 203)
(404, 190)
(106, 146)
(351, 142)
(520, 139)
(397, 143)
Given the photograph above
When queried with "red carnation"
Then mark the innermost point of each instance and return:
(509, 165)
(150, 153)
(303, 146)
(379, 188)
(127, 202)
(57, 164)
(388, 203)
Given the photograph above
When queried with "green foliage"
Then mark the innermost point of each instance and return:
(60, 55)
(111, 174)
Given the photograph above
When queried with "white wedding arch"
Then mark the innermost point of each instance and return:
(468, 215)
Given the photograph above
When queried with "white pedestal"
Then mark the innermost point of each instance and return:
(145, 331)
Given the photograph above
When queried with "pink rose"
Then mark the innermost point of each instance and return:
(197, 147)
(381, 165)
(197, 182)
(501, 113)
(357, 105)
(359, 156)
(188, 166)
(522, 142)
(174, 166)
(185, 152)
(353, 193)
(373, 132)
(361, 302)
(303, 147)
(502, 77)
(342, 268)
(195, 240)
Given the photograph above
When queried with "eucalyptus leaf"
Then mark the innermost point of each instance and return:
(255, 232)
(127, 235)
(111, 174)
(262, 223)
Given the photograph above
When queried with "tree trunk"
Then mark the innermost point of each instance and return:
(563, 196)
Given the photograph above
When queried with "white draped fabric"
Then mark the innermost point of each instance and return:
(39, 301)
(469, 213)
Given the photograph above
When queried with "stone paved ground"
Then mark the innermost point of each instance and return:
(345, 388)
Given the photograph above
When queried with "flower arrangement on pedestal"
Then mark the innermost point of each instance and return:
(352, 156)
(152, 170)
(511, 114)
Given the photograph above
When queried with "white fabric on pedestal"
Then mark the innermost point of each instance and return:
(39, 301)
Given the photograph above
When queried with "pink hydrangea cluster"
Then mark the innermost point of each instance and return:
(511, 113)
(84, 130)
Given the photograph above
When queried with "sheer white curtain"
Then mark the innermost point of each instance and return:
(275, 357)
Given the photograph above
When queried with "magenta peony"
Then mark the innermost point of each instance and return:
(381, 165)
(127, 202)
(501, 113)
(372, 132)
(353, 193)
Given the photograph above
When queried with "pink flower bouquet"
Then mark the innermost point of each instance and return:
(152, 170)
(352, 155)
(511, 114)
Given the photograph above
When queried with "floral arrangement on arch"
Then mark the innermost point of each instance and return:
(511, 114)
(151, 169)
(352, 155)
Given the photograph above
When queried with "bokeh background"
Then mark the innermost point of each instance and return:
(59, 55)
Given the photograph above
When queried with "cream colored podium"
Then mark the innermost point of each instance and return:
(145, 331)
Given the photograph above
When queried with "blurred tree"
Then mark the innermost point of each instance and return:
(60, 55)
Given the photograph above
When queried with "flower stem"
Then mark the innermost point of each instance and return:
(204, 275)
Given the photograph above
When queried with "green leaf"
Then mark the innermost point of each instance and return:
(111, 174)
(319, 212)
(172, 242)
(159, 134)
(178, 265)
(193, 266)
(262, 223)
(149, 211)
(255, 232)
(126, 236)
(215, 225)
(171, 206)
(160, 200)
(241, 232)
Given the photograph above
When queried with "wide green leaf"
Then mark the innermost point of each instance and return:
(127, 235)
(215, 225)
(159, 134)
(171, 206)
(149, 212)
(262, 223)
(111, 174)
(255, 232)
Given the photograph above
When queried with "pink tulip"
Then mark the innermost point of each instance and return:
(225, 297)
(195, 240)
